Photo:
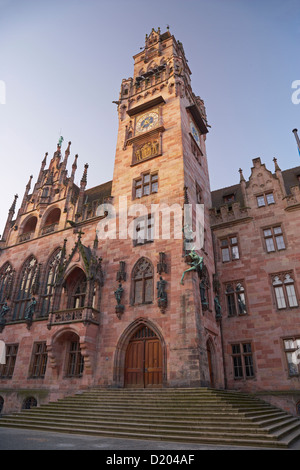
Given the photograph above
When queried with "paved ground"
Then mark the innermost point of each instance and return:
(16, 439)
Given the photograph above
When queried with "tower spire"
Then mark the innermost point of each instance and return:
(11, 213)
(83, 184)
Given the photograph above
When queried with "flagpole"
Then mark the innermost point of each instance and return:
(295, 132)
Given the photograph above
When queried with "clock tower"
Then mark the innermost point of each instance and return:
(160, 162)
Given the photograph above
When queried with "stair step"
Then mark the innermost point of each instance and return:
(205, 438)
(179, 415)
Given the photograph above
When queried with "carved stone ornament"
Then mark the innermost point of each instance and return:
(162, 295)
(119, 307)
(145, 150)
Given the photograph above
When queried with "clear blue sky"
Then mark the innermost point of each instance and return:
(63, 63)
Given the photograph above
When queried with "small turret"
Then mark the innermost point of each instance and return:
(83, 184)
(11, 213)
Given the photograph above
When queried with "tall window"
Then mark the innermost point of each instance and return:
(284, 290)
(274, 240)
(229, 249)
(235, 299)
(38, 361)
(142, 278)
(52, 271)
(7, 369)
(26, 287)
(78, 293)
(75, 360)
(242, 361)
(6, 280)
(292, 353)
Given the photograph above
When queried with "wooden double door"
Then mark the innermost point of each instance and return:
(143, 363)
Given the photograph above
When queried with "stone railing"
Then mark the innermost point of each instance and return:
(84, 314)
(228, 213)
(49, 229)
(25, 236)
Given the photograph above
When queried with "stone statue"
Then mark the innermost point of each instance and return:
(203, 293)
(218, 308)
(161, 294)
(119, 307)
(161, 285)
(196, 264)
(3, 312)
(119, 293)
(29, 311)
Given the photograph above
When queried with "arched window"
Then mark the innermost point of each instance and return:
(6, 280)
(26, 287)
(51, 274)
(30, 225)
(76, 286)
(51, 221)
(28, 403)
(142, 279)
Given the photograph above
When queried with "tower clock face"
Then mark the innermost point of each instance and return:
(147, 121)
(195, 133)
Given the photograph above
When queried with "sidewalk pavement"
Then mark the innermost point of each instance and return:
(22, 439)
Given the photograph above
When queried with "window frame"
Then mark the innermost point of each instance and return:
(147, 274)
(264, 196)
(234, 304)
(7, 369)
(243, 365)
(287, 351)
(273, 236)
(230, 246)
(281, 292)
(75, 360)
(39, 359)
(140, 183)
(149, 227)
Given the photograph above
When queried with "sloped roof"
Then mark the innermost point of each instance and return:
(98, 193)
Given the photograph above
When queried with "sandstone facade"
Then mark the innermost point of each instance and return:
(91, 306)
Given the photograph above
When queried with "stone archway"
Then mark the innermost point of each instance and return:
(140, 357)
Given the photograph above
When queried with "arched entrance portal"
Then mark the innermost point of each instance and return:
(144, 360)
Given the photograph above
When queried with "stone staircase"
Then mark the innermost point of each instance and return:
(199, 415)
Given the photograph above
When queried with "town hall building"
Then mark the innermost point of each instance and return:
(81, 308)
